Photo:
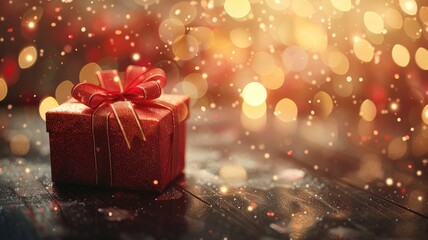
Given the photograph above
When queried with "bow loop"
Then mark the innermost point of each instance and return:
(140, 85)
(89, 94)
(136, 75)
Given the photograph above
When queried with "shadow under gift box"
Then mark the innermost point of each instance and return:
(147, 165)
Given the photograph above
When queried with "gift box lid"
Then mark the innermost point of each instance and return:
(75, 117)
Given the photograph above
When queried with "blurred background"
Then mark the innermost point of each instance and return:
(342, 75)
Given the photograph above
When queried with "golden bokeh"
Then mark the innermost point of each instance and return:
(410, 7)
(184, 11)
(63, 91)
(45, 105)
(263, 63)
(302, 8)
(254, 112)
(338, 62)
(185, 47)
(363, 49)
(424, 115)
(412, 28)
(396, 148)
(19, 145)
(233, 172)
(194, 85)
(170, 29)
(310, 36)
(275, 79)
(322, 103)
(368, 110)
(286, 110)
(31, 17)
(3, 89)
(241, 37)
(423, 14)
(205, 37)
(294, 59)
(373, 22)
(27, 57)
(278, 5)
(237, 8)
(421, 58)
(88, 73)
(342, 5)
(393, 18)
(400, 55)
(254, 94)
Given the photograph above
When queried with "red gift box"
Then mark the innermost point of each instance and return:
(127, 139)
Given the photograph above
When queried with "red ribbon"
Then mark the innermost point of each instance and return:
(139, 85)
(117, 97)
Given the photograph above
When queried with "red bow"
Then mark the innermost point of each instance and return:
(139, 85)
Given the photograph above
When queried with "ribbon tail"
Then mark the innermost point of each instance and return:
(101, 141)
(128, 121)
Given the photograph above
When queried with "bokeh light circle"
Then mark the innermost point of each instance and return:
(19, 145)
(263, 63)
(254, 93)
(286, 110)
(63, 91)
(393, 18)
(88, 73)
(294, 59)
(410, 7)
(254, 112)
(241, 37)
(368, 110)
(170, 29)
(421, 58)
(184, 11)
(323, 104)
(342, 5)
(275, 79)
(237, 8)
(27, 57)
(205, 37)
(424, 114)
(363, 49)
(3, 89)
(374, 22)
(278, 5)
(185, 47)
(400, 55)
(194, 85)
(45, 105)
